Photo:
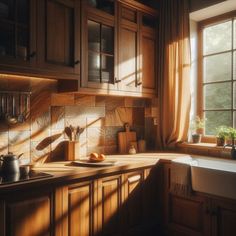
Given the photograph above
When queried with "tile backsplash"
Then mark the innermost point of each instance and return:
(41, 138)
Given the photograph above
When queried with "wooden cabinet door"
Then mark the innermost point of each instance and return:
(223, 217)
(58, 35)
(18, 34)
(133, 210)
(187, 216)
(28, 216)
(148, 62)
(109, 199)
(128, 49)
(74, 209)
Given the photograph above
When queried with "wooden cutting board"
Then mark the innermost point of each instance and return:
(124, 139)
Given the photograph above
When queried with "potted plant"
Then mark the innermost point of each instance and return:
(196, 125)
(232, 137)
(222, 133)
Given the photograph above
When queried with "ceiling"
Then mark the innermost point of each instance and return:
(213, 10)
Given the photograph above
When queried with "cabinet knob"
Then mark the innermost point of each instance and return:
(76, 62)
(139, 83)
(117, 80)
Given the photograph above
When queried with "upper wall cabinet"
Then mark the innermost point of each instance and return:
(58, 35)
(18, 32)
(99, 45)
(119, 48)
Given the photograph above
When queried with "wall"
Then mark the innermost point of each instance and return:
(41, 138)
(196, 5)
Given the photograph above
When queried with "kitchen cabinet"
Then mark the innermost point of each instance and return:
(148, 52)
(109, 201)
(197, 214)
(27, 214)
(58, 43)
(74, 209)
(99, 45)
(223, 214)
(18, 33)
(118, 46)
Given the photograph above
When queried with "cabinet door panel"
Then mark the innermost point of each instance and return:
(224, 218)
(59, 33)
(133, 212)
(108, 205)
(80, 210)
(148, 64)
(128, 59)
(29, 217)
(58, 36)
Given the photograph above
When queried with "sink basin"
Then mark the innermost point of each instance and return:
(213, 176)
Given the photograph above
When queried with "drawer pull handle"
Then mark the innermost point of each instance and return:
(76, 62)
(117, 80)
(134, 178)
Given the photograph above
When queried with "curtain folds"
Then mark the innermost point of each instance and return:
(174, 73)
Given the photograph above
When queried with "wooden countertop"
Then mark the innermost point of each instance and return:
(64, 172)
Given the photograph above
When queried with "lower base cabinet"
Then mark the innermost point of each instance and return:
(27, 214)
(111, 205)
(197, 215)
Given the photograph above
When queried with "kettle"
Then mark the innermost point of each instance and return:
(10, 164)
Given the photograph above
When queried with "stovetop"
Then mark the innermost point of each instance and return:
(10, 179)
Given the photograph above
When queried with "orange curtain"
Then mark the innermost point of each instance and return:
(174, 73)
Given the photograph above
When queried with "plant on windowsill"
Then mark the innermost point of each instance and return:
(221, 133)
(232, 137)
(195, 126)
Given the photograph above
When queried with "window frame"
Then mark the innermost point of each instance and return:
(200, 91)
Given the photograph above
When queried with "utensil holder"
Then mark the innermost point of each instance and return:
(72, 149)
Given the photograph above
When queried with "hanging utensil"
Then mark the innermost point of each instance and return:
(12, 118)
(27, 106)
(21, 117)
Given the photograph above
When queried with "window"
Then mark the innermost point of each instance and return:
(218, 73)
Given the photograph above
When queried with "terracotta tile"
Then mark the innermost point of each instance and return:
(138, 116)
(19, 142)
(96, 136)
(112, 103)
(148, 112)
(100, 101)
(111, 134)
(40, 127)
(119, 116)
(85, 100)
(3, 143)
(62, 99)
(77, 111)
(139, 103)
(109, 150)
(154, 112)
(57, 118)
(39, 154)
(128, 102)
(95, 122)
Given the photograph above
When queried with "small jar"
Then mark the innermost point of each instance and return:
(132, 150)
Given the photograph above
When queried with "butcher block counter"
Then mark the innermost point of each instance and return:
(83, 200)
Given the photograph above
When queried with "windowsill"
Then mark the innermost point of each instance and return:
(206, 149)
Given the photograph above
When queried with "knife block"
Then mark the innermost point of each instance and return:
(72, 150)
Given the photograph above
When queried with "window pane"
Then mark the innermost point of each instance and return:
(234, 95)
(215, 119)
(216, 38)
(217, 68)
(234, 33)
(217, 96)
(235, 119)
(93, 36)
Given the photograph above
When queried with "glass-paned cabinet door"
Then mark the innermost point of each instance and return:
(107, 6)
(14, 28)
(100, 52)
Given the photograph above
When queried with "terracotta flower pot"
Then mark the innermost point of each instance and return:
(220, 141)
(196, 138)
